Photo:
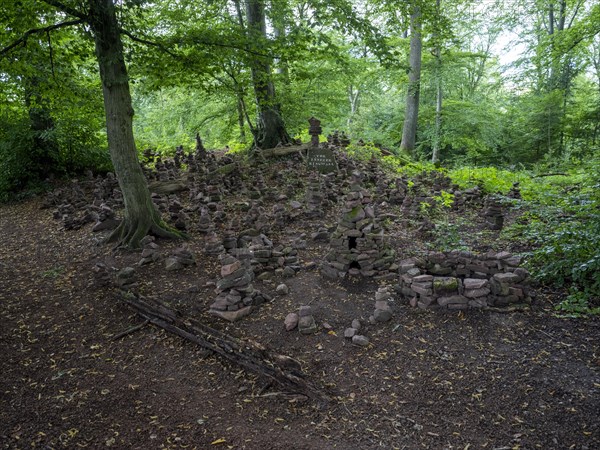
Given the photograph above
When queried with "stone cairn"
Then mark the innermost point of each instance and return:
(314, 197)
(383, 311)
(205, 223)
(462, 280)
(398, 192)
(236, 297)
(125, 279)
(106, 218)
(150, 251)
(494, 218)
(515, 191)
(268, 258)
(314, 130)
(357, 244)
(180, 258)
(213, 245)
(352, 333)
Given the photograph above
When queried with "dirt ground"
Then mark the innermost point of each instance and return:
(433, 380)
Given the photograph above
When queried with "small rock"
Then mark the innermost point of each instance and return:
(172, 264)
(349, 333)
(356, 324)
(282, 289)
(382, 315)
(359, 339)
(291, 321)
(288, 272)
(305, 310)
(232, 316)
(307, 325)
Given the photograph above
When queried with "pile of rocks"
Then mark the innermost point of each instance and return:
(181, 257)
(205, 223)
(462, 280)
(314, 197)
(125, 278)
(105, 218)
(357, 245)
(268, 258)
(494, 218)
(515, 191)
(236, 294)
(383, 311)
(213, 245)
(303, 319)
(398, 192)
(470, 196)
(149, 250)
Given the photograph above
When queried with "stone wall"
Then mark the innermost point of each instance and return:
(462, 280)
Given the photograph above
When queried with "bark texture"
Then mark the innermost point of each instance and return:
(409, 130)
(270, 130)
(141, 217)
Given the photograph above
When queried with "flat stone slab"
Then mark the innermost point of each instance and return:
(231, 316)
(359, 339)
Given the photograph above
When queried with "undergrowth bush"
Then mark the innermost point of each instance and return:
(562, 224)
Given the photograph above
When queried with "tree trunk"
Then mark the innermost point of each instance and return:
(270, 130)
(141, 216)
(354, 99)
(437, 134)
(409, 131)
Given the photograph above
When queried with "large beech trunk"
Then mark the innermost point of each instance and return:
(141, 217)
(270, 130)
(409, 131)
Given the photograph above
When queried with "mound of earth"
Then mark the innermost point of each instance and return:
(426, 379)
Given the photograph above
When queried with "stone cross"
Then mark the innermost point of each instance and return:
(314, 130)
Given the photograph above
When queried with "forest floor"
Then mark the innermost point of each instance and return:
(433, 380)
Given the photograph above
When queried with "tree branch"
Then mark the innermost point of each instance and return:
(23, 39)
(67, 9)
(147, 42)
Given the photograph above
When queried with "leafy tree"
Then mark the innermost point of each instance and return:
(140, 216)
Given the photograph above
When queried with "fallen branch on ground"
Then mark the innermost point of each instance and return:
(282, 370)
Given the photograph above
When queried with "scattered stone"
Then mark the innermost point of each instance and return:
(125, 278)
(282, 289)
(360, 340)
(291, 321)
(350, 332)
(232, 316)
(307, 325)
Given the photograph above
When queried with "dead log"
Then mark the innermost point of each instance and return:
(167, 187)
(279, 369)
(282, 151)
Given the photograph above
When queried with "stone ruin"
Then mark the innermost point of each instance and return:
(358, 244)
(463, 280)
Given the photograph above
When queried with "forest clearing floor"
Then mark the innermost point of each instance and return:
(434, 380)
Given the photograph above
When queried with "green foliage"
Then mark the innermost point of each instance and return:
(447, 236)
(490, 179)
(562, 224)
(363, 152)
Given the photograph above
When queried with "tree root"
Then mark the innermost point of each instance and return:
(129, 234)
